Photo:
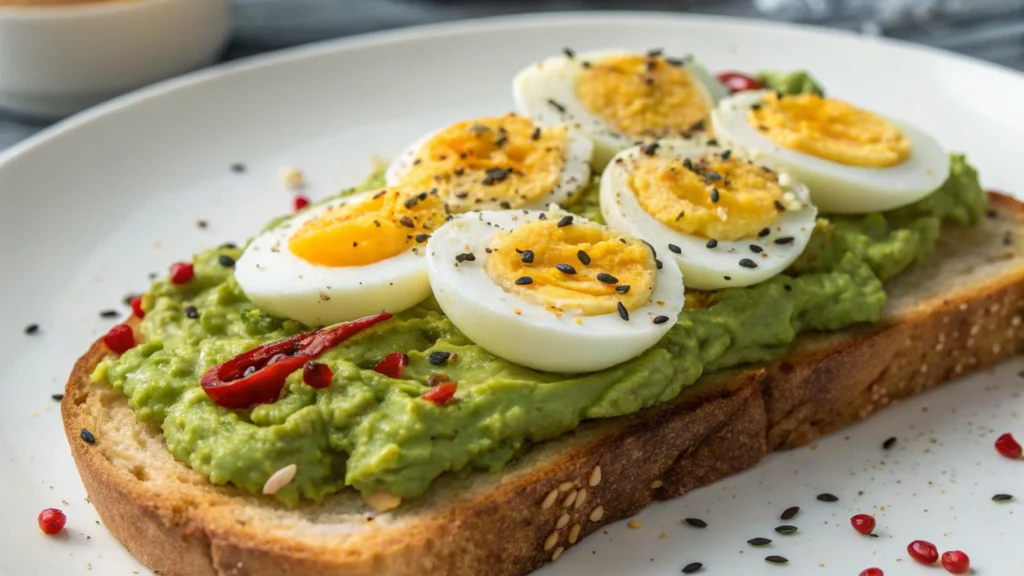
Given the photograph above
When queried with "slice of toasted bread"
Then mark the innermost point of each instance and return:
(958, 312)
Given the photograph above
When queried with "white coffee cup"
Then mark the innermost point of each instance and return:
(58, 59)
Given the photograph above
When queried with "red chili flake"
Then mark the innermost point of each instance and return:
(1008, 446)
(301, 202)
(872, 572)
(51, 521)
(137, 307)
(441, 394)
(119, 339)
(863, 523)
(257, 376)
(956, 562)
(923, 552)
(317, 375)
(182, 273)
(738, 82)
(392, 365)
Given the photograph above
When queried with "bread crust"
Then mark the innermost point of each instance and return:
(174, 521)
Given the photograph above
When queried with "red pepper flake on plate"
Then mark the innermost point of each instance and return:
(51, 521)
(738, 82)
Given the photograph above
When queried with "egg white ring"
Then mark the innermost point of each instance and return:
(485, 312)
(390, 285)
(574, 176)
(839, 188)
(555, 79)
(701, 265)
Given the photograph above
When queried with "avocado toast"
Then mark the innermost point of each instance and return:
(694, 433)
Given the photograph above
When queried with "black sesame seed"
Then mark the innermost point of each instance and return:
(713, 176)
(524, 280)
(712, 243)
(727, 277)
(422, 237)
(650, 149)
(583, 257)
(786, 530)
(776, 559)
(109, 313)
(692, 567)
(468, 256)
(412, 202)
(687, 164)
(607, 278)
(756, 249)
(556, 105)
(660, 319)
(889, 443)
(658, 264)
(57, 397)
(788, 288)
(991, 213)
(779, 206)
(714, 195)
(238, 168)
(784, 240)
(505, 205)
(759, 541)
(227, 246)
(675, 249)
(568, 52)
(501, 141)
(872, 535)
(565, 268)
(407, 222)
(826, 497)
(536, 134)
(680, 215)
(438, 358)
(748, 263)
(764, 232)
(1002, 497)
(790, 513)
(226, 261)
(696, 523)
(87, 436)
(623, 313)
(726, 154)
(697, 127)
(712, 142)
(192, 312)
(32, 329)
(622, 288)
(495, 175)
(526, 256)
(542, 216)
(564, 221)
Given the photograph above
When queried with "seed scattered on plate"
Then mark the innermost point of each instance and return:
(826, 497)
(238, 168)
(759, 541)
(280, 479)
(696, 523)
(790, 513)
(776, 559)
(1002, 497)
(889, 443)
(692, 567)
(292, 178)
(32, 329)
(786, 529)
(109, 313)
(57, 397)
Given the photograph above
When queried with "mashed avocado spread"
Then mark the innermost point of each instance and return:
(373, 433)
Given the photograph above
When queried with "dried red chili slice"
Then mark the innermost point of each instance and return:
(440, 394)
(257, 376)
(738, 82)
(392, 365)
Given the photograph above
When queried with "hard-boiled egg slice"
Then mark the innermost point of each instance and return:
(345, 259)
(499, 162)
(552, 291)
(618, 97)
(853, 160)
(728, 220)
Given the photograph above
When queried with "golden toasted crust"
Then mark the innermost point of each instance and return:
(959, 312)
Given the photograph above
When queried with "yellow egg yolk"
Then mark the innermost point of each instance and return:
(830, 129)
(583, 267)
(505, 162)
(644, 96)
(713, 197)
(363, 232)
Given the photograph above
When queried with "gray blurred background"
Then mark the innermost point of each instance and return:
(989, 29)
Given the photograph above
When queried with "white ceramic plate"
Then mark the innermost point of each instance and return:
(88, 208)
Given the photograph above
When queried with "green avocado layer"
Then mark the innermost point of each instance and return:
(373, 433)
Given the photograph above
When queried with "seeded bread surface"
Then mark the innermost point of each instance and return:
(957, 313)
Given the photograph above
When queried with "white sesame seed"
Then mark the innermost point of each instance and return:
(292, 178)
(963, 306)
(580, 498)
(280, 479)
(574, 533)
(784, 179)
(657, 484)
(595, 476)
(970, 342)
(597, 513)
(557, 553)
(939, 347)
(382, 501)
(1015, 321)
(924, 368)
(551, 541)
(634, 524)
(549, 501)
(570, 498)
(975, 329)
(564, 486)
(563, 521)
(996, 348)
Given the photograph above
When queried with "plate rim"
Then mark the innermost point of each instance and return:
(455, 27)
